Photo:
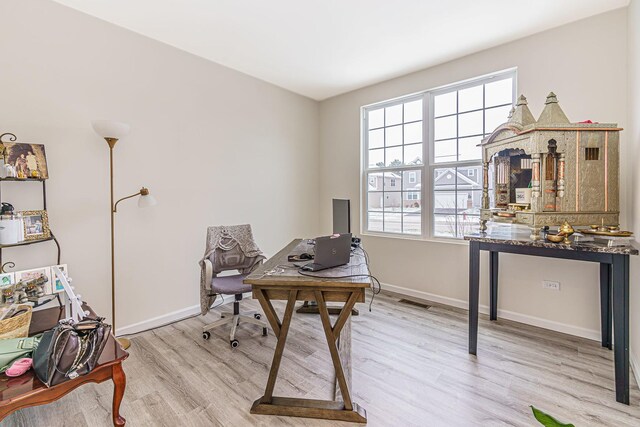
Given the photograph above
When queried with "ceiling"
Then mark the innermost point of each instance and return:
(324, 48)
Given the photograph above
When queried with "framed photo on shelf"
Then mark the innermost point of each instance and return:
(36, 225)
(57, 283)
(27, 160)
(7, 279)
(27, 275)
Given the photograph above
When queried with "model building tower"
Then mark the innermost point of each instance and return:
(547, 171)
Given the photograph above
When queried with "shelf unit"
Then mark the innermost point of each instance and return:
(44, 206)
(35, 241)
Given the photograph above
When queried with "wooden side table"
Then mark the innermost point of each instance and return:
(27, 390)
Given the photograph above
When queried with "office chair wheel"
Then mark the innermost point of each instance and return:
(264, 332)
(234, 343)
(222, 316)
(257, 316)
(206, 335)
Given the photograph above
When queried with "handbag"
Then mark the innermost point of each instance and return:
(70, 350)
(14, 348)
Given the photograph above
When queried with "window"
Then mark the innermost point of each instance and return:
(422, 161)
(591, 153)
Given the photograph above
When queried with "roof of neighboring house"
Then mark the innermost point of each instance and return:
(459, 177)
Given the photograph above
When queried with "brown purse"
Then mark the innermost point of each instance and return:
(70, 350)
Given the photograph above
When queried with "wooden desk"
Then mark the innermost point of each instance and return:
(272, 282)
(27, 390)
(614, 289)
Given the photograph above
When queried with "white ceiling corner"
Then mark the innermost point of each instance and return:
(320, 49)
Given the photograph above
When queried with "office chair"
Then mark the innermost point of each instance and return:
(230, 248)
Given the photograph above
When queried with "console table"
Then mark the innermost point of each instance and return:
(27, 390)
(614, 288)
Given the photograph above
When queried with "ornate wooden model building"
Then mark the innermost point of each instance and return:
(571, 170)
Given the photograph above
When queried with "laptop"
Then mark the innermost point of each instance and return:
(331, 251)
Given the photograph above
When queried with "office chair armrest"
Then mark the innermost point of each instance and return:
(208, 272)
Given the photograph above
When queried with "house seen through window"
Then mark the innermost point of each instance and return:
(422, 161)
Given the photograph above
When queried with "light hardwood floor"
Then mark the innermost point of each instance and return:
(410, 368)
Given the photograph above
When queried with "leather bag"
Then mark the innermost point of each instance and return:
(13, 349)
(70, 350)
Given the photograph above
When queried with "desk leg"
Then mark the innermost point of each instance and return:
(332, 334)
(119, 384)
(493, 286)
(282, 331)
(621, 325)
(605, 304)
(474, 294)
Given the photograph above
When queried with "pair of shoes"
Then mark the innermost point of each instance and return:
(19, 367)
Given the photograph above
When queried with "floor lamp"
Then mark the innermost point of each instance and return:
(112, 131)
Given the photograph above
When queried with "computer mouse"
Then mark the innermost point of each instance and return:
(305, 256)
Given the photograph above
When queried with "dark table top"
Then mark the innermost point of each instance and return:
(521, 238)
(42, 320)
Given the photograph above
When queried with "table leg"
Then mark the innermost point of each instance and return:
(474, 294)
(332, 334)
(119, 384)
(493, 286)
(621, 325)
(282, 339)
(605, 304)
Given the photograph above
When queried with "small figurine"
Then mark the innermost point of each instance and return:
(7, 209)
(35, 287)
(7, 294)
(10, 171)
(19, 294)
(33, 290)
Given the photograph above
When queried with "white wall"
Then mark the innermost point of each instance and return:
(584, 63)
(633, 137)
(213, 145)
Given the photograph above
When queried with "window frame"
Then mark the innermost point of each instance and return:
(428, 166)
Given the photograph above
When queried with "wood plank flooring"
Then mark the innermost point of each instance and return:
(410, 368)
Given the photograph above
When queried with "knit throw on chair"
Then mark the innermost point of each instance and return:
(227, 238)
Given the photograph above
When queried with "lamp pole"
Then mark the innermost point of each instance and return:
(125, 343)
(111, 131)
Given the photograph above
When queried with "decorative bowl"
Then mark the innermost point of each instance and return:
(555, 238)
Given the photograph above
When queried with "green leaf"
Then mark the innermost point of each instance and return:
(548, 420)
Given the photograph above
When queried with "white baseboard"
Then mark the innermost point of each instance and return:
(166, 319)
(505, 314)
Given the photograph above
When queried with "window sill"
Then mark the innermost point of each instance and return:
(444, 240)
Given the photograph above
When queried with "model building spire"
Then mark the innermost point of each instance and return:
(522, 115)
(552, 114)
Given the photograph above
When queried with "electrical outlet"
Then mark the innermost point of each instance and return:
(550, 284)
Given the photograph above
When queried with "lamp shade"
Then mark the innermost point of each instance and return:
(147, 201)
(110, 128)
